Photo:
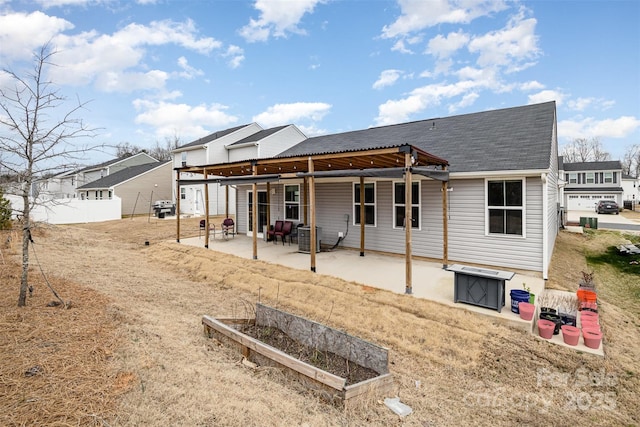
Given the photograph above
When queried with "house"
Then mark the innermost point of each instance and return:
(630, 191)
(137, 186)
(233, 144)
(589, 182)
(65, 184)
(483, 189)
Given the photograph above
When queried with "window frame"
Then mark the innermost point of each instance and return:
(417, 205)
(608, 180)
(522, 208)
(573, 178)
(590, 178)
(183, 193)
(291, 203)
(356, 205)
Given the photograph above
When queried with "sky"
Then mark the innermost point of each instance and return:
(153, 70)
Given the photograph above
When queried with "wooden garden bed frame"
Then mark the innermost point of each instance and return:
(331, 387)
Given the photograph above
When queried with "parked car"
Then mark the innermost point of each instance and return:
(607, 206)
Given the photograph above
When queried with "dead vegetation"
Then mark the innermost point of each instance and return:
(134, 334)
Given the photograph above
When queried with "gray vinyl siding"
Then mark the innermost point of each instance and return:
(468, 242)
(139, 192)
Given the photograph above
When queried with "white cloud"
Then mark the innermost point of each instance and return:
(417, 15)
(399, 46)
(58, 3)
(187, 120)
(235, 56)
(397, 111)
(582, 104)
(466, 101)
(514, 47)
(387, 78)
(590, 127)
(282, 114)
(531, 85)
(22, 33)
(277, 18)
(545, 96)
(444, 47)
(128, 82)
(188, 72)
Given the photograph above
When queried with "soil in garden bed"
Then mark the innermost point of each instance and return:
(327, 361)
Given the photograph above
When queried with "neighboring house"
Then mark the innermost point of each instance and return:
(65, 184)
(499, 207)
(229, 145)
(588, 182)
(137, 186)
(630, 189)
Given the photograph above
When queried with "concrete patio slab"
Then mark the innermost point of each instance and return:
(383, 271)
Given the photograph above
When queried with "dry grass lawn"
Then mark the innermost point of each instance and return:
(131, 349)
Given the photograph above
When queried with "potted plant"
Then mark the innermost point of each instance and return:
(545, 328)
(526, 310)
(570, 334)
(592, 338)
(532, 296)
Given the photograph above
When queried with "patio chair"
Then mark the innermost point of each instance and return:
(228, 228)
(286, 231)
(271, 234)
(203, 227)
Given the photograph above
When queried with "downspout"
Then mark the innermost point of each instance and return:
(545, 226)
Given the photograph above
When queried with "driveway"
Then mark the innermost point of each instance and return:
(608, 221)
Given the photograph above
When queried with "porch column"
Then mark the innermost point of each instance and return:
(268, 206)
(178, 206)
(206, 211)
(445, 226)
(362, 221)
(408, 222)
(226, 203)
(305, 202)
(312, 206)
(254, 213)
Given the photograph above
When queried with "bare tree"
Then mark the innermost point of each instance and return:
(158, 152)
(39, 131)
(585, 150)
(631, 160)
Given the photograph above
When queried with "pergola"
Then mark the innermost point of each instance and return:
(389, 162)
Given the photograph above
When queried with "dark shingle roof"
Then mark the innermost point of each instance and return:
(258, 135)
(122, 176)
(210, 137)
(108, 162)
(593, 166)
(507, 139)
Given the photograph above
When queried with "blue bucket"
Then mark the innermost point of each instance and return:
(518, 296)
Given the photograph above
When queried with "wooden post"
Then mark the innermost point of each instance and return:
(226, 202)
(178, 196)
(206, 211)
(268, 206)
(445, 226)
(312, 206)
(305, 198)
(254, 214)
(362, 215)
(408, 222)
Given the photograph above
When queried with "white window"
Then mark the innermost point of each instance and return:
(608, 177)
(573, 178)
(183, 193)
(99, 195)
(505, 207)
(110, 194)
(369, 203)
(183, 158)
(399, 205)
(292, 202)
(591, 178)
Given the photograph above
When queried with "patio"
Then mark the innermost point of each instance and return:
(382, 271)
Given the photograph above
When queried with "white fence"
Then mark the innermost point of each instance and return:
(71, 211)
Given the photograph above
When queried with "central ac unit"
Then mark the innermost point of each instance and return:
(304, 239)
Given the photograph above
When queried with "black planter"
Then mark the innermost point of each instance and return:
(554, 318)
(548, 310)
(568, 319)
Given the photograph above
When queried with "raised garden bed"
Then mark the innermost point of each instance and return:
(342, 368)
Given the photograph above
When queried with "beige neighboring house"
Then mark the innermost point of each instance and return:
(65, 184)
(137, 186)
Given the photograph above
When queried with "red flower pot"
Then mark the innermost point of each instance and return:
(570, 334)
(589, 324)
(592, 338)
(545, 328)
(526, 310)
(589, 316)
